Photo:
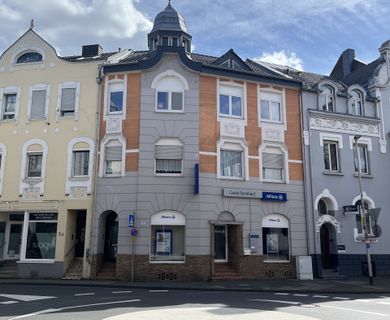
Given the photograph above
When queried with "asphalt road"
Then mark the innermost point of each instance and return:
(68, 302)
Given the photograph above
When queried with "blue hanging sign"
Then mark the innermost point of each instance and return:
(274, 196)
(196, 178)
(131, 219)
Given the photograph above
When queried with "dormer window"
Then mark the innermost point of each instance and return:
(357, 103)
(29, 57)
(327, 99)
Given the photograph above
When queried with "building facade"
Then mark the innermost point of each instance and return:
(201, 167)
(47, 150)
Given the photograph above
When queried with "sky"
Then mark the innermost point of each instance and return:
(308, 35)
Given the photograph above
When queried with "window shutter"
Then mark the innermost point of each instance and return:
(272, 160)
(169, 152)
(68, 99)
(113, 153)
(38, 104)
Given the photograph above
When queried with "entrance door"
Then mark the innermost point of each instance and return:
(111, 237)
(325, 248)
(80, 234)
(14, 240)
(220, 243)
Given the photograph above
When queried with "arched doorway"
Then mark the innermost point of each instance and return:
(111, 237)
(328, 239)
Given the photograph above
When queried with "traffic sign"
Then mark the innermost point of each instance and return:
(131, 219)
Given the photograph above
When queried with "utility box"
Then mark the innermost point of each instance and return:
(304, 268)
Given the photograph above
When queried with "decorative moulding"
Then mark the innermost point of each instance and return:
(326, 218)
(232, 128)
(114, 124)
(78, 192)
(272, 133)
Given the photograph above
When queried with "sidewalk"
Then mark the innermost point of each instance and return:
(352, 285)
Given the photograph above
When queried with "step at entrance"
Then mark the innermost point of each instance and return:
(225, 271)
(8, 269)
(107, 272)
(331, 274)
(75, 270)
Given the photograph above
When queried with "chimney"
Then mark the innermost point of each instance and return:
(91, 50)
(344, 65)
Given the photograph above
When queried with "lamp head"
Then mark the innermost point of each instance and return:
(357, 137)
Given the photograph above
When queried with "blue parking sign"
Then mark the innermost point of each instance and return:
(131, 219)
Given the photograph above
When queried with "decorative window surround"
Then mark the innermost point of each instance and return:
(18, 54)
(38, 87)
(326, 218)
(233, 128)
(283, 151)
(68, 85)
(120, 139)
(32, 188)
(233, 145)
(169, 153)
(331, 200)
(327, 96)
(3, 93)
(83, 182)
(232, 88)
(272, 132)
(362, 140)
(331, 137)
(107, 85)
(3, 154)
(273, 95)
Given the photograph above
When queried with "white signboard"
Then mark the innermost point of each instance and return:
(241, 193)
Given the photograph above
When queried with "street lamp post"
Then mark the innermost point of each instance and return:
(362, 215)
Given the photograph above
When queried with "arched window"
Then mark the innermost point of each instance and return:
(322, 208)
(276, 245)
(29, 57)
(327, 99)
(357, 103)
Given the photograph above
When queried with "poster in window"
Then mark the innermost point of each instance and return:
(163, 242)
(272, 243)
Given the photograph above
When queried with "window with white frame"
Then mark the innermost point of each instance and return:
(271, 106)
(115, 97)
(68, 99)
(231, 102)
(327, 98)
(113, 154)
(80, 161)
(357, 102)
(9, 106)
(34, 165)
(38, 102)
(331, 156)
(364, 164)
(273, 165)
(169, 156)
(231, 161)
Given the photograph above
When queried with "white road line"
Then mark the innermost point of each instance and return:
(319, 296)
(9, 302)
(118, 292)
(354, 310)
(276, 301)
(158, 290)
(73, 307)
(382, 302)
(300, 295)
(84, 294)
(363, 300)
(25, 297)
(281, 294)
(340, 298)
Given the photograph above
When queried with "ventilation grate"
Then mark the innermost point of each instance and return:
(288, 274)
(164, 276)
(269, 274)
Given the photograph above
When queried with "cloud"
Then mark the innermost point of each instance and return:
(283, 58)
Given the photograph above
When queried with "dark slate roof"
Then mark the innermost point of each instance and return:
(203, 58)
(363, 74)
(100, 57)
(135, 56)
(169, 20)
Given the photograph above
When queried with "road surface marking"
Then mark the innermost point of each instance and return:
(24, 297)
(116, 292)
(281, 294)
(300, 295)
(158, 290)
(73, 307)
(84, 294)
(340, 298)
(363, 300)
(9, 302)
(382, 302)
(319, 296)
(276, 301)
(354, 310)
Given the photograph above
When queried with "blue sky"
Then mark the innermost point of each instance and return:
(308, 34)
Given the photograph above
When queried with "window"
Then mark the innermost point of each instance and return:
(322, 208)
(275, 238)
(68, 100)
(271, 107)
(357, 103)
(113, 159)
(359, 224)
(231, 163)
(363, 152)
(167, 237)
(331, 157)
(41, 237)
(80, 163)
(9, 106)
(327, 99)
(29, 57)
(231, 101)
(34, 165)
(115, 99)
(169, 156)
(38, 104)
(273, 164)
(169, 101)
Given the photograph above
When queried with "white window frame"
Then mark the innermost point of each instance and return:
(5, 91)
(365, 142)
(284, 152)
(169, 81)
(102, 162)
(232, 89)
(355, 100)
(69, 85)
(107, 92)
(3, 153)
(329, 137)
(321, 94)
(267, 95)
(332, 142)
(38, 87)
(233, 145)
(170, 142)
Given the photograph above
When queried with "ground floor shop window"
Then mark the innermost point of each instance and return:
(276, 245)
(167, 237)
(41, 236)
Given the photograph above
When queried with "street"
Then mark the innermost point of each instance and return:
(73, 302)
